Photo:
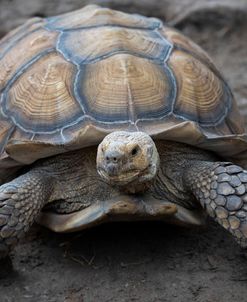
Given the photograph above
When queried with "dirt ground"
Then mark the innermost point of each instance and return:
(142, 261)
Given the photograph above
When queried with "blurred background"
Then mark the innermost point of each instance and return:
(145, 262)
(15, 12)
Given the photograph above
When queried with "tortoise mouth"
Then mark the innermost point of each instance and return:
(123, 178)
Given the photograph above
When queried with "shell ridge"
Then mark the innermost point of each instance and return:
(151, 28)
(174, 89)
(80, 99)
(79, 70)
(75, 90)
(166, 42)
(131, 105)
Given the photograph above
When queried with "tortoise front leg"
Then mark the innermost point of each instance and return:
(20, 203)
(221, 189)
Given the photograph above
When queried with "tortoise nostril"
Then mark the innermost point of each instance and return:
(113, 157)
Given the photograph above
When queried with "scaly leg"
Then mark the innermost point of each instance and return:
(221, 189)
(20, 203)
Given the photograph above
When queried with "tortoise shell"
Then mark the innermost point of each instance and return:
(69, 80)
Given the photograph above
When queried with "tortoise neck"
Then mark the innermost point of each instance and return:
(174, 159)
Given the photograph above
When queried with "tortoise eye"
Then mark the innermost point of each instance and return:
(135, 151)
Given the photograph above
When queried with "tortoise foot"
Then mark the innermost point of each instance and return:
(20, 203)
(221, 188)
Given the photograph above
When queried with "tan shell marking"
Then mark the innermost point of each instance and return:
(24, 51)
(180, 40)
(42, 95)
(93, 15)
(87, 44)
(21, 31)
(126, 85)
(121, 84)
(199, 90)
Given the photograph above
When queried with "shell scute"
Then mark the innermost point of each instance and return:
(183, 43)
(26, 49)
(8, 41)
(85, 46)
(124, 88)
(202, 97)
(41, 99)
(69, 80)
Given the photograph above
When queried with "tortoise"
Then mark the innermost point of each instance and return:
(113, 116)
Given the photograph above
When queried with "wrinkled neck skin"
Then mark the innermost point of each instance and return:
(174, 159)
(78, 181)
(168, 183)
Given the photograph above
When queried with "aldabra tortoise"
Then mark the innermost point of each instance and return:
(110, 116)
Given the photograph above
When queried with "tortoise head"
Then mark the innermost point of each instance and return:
(128, 159)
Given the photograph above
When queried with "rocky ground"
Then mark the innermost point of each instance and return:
(138, 261)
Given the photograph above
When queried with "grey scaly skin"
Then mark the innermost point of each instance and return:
(172, 171)
(220, 187)
(69, 180)
(192, 177)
